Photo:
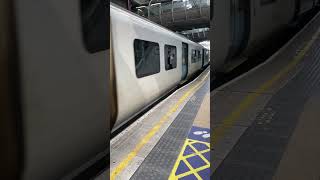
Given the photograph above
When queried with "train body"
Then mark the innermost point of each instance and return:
(241, 27)
(148, 61)
(54, 76)
(56, 90)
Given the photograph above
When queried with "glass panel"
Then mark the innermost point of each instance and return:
(147, 58)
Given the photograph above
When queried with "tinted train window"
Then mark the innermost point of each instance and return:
(206, 56)
(95, 16)
(194, 56)
(147, 58)
(170, 55)
(211, 10)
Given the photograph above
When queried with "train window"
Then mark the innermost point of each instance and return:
(211, 10)
(194, 56)
(95, 25)
(206, 56)
(147, 58)
(170, 57)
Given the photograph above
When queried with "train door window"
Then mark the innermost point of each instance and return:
(199, 55)
(95, 25)
(170, 55)
(211, 10)
(194, 56)
(206, 56)
(202, 53)
(147, 58)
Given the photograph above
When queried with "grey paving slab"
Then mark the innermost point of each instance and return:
(103, 176)
(223, 102)
(202, 118)
(215, 162)
(160, 161)
(251, 81)
(301, 159)
(225, 145)
(126, 141)
(258, 152)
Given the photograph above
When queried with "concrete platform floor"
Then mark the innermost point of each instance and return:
(130, 148)
(265, 123)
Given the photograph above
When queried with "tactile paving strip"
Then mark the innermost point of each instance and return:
(259, 150)
(159, 163)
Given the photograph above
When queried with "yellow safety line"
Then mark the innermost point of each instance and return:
(125, 162)
(249, 100)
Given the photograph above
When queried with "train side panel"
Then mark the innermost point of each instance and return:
(241, 28)
(276, 16)
(63, 90)
(220, 34)
(135, 93)
(306, 5)
(194, 66)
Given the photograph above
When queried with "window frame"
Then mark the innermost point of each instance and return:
(95, 26)
(159, 59)
(206, 55)
(194, 56)
(166, 56)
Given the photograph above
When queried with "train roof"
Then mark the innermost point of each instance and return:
(182, 38)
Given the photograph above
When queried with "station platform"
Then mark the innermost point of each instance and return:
(170, 141)
(266, 123)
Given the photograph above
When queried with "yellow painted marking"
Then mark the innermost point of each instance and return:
(195, 154)
(201, 156)
(189, 172)
(125, 162)
(180, 158)
(250, 99)
(175, 167)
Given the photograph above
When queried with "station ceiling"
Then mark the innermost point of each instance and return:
(186, 16)
(146, 2)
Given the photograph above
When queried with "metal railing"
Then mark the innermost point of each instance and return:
(196, 34)
(173, 7)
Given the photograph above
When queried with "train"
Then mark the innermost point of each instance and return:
(54, 90)
(58, 82)
(240, 28)
(148, 61)
(60, 76)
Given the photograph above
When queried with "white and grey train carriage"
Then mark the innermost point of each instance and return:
(148, 61)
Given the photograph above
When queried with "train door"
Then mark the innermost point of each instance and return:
(79, 54)
(11, 155)
(240, 26)
(185, 51)
(203, 53)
